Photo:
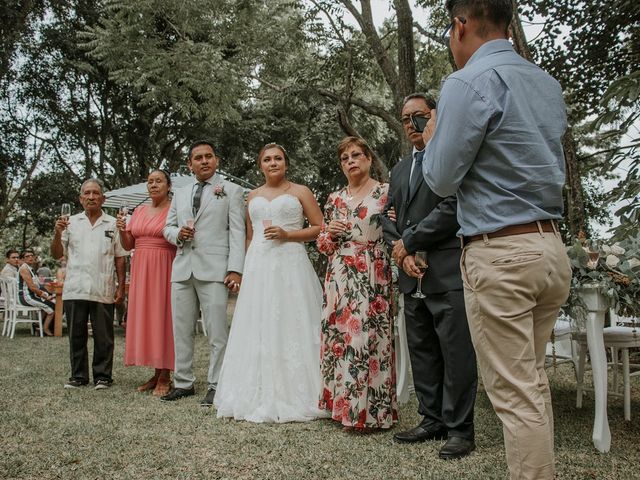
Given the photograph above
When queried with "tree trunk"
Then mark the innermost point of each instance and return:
(574, 200)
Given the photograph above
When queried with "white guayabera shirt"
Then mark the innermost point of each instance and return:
(91, 251)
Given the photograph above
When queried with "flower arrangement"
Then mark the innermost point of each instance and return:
(614, 269)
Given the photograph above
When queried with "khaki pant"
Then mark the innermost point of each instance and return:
(514, 287)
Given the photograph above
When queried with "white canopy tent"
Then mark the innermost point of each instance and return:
(135, 195)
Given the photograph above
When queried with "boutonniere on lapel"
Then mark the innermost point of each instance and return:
(109, 234)
(219, 192)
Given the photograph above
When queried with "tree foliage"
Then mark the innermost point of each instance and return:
(114, 88)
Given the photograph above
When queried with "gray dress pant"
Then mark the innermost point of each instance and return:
(188, 298)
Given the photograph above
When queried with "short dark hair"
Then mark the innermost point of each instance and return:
(25, 251)
(496, 12)
(10, 252)
(429, 100)
(197, 143)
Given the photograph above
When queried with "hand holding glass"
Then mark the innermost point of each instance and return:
(65, 211)
(420, 260)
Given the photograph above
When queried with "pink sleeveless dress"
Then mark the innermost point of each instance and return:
(149, 335)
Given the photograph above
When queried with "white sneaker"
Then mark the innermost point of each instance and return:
(102, 384)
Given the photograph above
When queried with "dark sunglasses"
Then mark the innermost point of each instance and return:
(446, 36)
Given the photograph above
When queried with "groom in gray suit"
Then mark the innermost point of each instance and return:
(206, 222)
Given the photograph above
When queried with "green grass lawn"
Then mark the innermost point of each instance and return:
(48, 432)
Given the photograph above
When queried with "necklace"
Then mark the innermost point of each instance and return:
(283, 190)
(351, 195)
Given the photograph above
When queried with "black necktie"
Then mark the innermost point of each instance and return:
(197, 197)
(416, 173)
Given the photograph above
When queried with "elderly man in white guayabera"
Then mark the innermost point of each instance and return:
(90, 242)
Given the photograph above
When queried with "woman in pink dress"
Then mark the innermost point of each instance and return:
(149, 340)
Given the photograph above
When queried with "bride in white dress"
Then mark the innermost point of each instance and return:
(271, 369)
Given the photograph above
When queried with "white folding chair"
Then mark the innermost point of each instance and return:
(18, 313)
(200, 322)
(3, 307)
(623, 334)
(563, 348)
(619, 338)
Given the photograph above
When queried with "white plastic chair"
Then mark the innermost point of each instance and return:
(563, 348)
(200, 322)
(3, 308)
(623, 334)
(619, 338)
(16, 312)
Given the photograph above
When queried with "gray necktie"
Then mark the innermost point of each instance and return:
(197, 197)
(416, 173)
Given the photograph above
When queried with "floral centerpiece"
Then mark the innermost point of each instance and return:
(612, 268)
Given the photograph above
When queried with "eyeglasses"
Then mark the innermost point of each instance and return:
(355, 155)
(446, 36)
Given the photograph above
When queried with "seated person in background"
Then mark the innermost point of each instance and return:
(44, 274)
(12, 262)
(30, 294)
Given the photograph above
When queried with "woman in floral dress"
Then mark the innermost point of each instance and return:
(357, 354)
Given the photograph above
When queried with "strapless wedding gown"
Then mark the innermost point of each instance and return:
(271, 369)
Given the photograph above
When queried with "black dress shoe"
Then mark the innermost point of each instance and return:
(207, 401)
(457, 447)
(178, 393)
(420, 434)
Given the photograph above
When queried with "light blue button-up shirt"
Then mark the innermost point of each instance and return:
(497, 144)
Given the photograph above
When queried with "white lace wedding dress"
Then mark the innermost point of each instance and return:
(271, 369)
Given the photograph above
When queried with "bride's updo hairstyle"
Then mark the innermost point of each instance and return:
(273, 145)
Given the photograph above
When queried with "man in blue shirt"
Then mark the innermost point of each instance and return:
(496, 145)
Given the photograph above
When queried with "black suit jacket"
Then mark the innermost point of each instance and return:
(424, 222)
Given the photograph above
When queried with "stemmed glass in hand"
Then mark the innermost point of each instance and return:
(420, 260)
(124, 209)
(65, 211)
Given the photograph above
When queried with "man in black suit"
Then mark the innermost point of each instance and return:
(442, 355)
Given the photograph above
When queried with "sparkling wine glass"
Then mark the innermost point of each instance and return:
(190, 222)
(593, 251)
(65, 211)
(420, 260)
(124, 209)
(266, 223)
(340, 214)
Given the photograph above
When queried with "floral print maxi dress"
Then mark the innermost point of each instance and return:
(357, 354)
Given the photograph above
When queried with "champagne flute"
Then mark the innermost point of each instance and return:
(66, 211)
(190, 222)
(420, 260)
(340, 214)
(124, 209)
(593, 251)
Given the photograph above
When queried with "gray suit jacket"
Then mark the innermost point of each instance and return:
(218, 245)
